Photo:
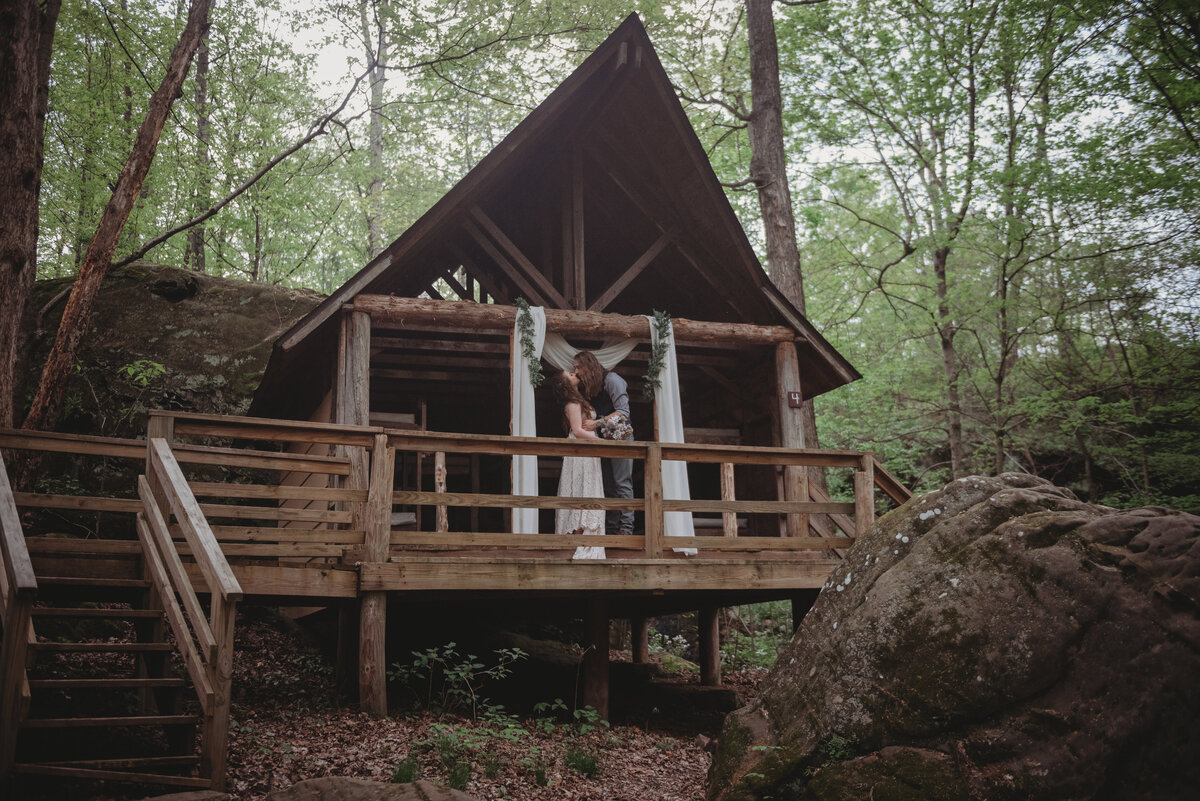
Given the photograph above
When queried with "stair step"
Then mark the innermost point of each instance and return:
(119, 720)
(42, 769)
(66, 684)
(123, 762)
(95, 647)
(62, 611)
(89, 581)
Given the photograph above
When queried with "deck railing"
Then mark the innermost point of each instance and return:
(18, 587)
(205, 642)
(318, 505)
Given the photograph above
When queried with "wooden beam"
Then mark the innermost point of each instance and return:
(530, 271)
(523, 283)
(460, 290)
(499, 295)
(643, 261)
(578, 262)
(480, 317)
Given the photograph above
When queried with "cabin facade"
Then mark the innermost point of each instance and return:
(375, 474)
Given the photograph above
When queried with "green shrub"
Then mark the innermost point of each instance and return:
(407, 770)
(459, 775)
(586, 762)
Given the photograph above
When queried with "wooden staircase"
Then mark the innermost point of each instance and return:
(103, 689)
(112, 667)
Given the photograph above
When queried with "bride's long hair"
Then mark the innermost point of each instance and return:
(564, 393)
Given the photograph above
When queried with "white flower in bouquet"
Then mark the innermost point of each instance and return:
(615, 427)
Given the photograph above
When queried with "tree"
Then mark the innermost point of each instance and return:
(26, 41)
(44, 410)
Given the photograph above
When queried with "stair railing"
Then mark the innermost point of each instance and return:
(18, 587)
(205, 642)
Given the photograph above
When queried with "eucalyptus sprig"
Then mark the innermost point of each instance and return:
(525, 327)
(658, 354)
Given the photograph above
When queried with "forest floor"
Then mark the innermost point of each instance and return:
(286, 727)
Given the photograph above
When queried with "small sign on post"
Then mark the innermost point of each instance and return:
(794, 400)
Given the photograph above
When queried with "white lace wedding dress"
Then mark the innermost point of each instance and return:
(580, 478)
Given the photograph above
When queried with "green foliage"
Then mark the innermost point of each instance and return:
(526, 328)
(582, 760)
(755, 634)
(452, 681)
(142, 372)
(658, 354)
(407, 770)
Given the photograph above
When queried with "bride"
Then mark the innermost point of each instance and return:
(580, 476)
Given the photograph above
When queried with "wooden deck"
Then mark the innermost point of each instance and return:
(221, 510)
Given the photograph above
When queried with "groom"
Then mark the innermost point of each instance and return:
(608, 393)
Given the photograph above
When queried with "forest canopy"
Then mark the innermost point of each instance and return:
(996, 201)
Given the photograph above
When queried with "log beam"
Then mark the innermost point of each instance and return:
(481, 317)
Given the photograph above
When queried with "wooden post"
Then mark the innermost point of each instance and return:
(791, 432)
(352, 407)
(639, 647)
(595, 658)
(864, 496)
(215, 741)
(728, 519)
(708, 626)
(579, 300)
(442, 523)
(475, 489)
(377, 523)
(12, 670)
(653, 495)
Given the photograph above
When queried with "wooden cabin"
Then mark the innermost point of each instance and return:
(374, 474)
(600, 207)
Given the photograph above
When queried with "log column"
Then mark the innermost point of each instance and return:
(352, 407)
(377, 519)
(639, 648)
(707, 624)
(791, 431)
(595, 658)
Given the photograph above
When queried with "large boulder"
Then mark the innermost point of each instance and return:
(164, 338)
(996, 640)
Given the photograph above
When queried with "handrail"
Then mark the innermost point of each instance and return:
(208, 653)
(891, 485)
(18, 587)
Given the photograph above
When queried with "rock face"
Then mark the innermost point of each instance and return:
(162, 337)
(996, 640)
(336, 788)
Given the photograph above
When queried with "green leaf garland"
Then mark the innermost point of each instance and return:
(525, 327)
(658, 354)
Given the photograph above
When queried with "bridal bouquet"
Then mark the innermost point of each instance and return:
(615, 427)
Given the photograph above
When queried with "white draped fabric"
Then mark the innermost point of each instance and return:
(556, 350)
(561, 353)
(670, 429)
(524, 422)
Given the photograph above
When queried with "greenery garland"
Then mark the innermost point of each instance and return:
(525, 326)
(658, 354)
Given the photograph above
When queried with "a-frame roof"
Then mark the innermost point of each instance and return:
(607, 167)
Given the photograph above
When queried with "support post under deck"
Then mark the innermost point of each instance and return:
(709, 646)
(595, 658)
(640, 639)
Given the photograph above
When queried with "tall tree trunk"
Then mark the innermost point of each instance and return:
(768, 170)
(377, 61)
(202, 195)
(43, 414)
(946, 333)
(26, 44)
